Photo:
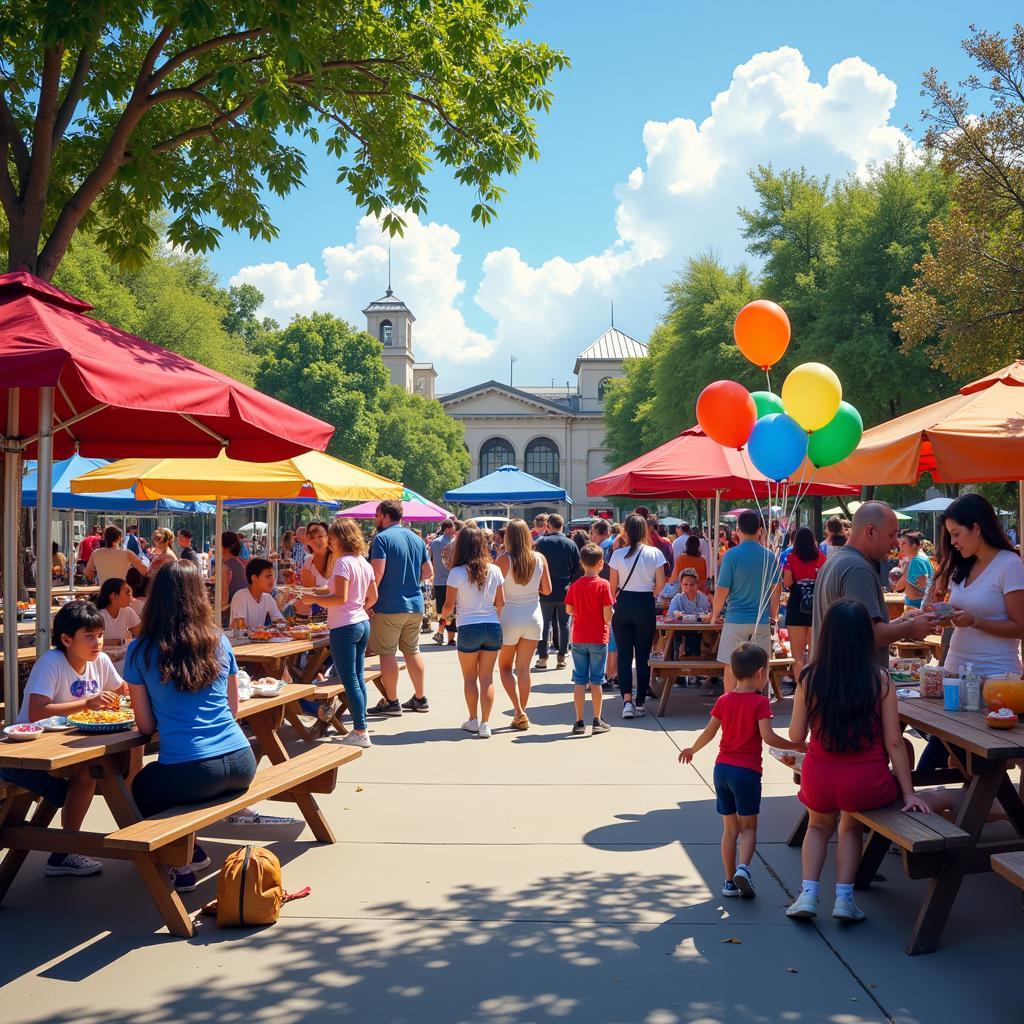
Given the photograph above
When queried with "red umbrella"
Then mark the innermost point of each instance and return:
(691, 465)
(72, 383)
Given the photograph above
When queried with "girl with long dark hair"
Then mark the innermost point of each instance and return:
(802, 565)
(475, 588)
(183, 680)
(121, 622)
(849, 706)
(637, 573)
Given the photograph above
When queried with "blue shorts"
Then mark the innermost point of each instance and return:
(479, 636)
(51, 788)
(737, 790)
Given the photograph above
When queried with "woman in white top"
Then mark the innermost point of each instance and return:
(637, 573)
(121, 624)
(162, 551)
(526, 577)
(319, 565)
(475, 588)
(986, 588)
(112, 560)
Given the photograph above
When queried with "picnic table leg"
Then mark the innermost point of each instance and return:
(14, 812)
(270, 742)
(796, 837)
(314, 662)
(666, 692)
(875, 849)
(944, 887)
(291, 712)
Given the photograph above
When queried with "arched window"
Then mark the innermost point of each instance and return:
(494, 453)
(602, 388)
(385, 332)
(542, 459)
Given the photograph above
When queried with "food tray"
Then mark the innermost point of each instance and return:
(102, 727)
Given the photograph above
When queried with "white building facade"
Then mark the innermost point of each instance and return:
(554, 433)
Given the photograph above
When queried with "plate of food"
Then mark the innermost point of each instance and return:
(55, 723)
(102, 721)
(23, 731)
(790, 758)
(1002, 718)
(260, 636)
(267, 687)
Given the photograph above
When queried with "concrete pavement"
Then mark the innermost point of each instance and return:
(529, 877)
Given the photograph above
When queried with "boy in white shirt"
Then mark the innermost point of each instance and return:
(250, 607)
(74, 676)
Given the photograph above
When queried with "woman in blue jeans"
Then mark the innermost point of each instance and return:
(351, 593)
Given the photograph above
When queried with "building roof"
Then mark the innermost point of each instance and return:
(388, 303)
(567, 405)
(612, 345)
(425, 366)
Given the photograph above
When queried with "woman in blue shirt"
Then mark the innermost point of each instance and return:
(183, 680)
(917, 569)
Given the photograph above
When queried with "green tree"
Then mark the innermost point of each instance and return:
(112, 112)
(966, 307)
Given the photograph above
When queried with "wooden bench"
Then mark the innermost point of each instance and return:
(696, 667)
(296, 779)
(334, 701)
(1010, 866)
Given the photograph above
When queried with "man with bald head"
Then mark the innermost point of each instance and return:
(853, 573)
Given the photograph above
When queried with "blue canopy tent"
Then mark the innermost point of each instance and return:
(509, 486)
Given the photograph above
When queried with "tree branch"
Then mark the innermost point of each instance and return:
(10, 133)
(175, 62)
(204, 130)
(8, 196)
(34, 192)
(74, 92)
(341, 122)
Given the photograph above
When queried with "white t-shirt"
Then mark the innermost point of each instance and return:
(984, 598)
(245, 606)
(110, 563)
(473, 603)
(115, 631)
(647, 559)
(53, 677)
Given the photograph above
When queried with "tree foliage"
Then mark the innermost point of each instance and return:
(966, 307)
(111, 112)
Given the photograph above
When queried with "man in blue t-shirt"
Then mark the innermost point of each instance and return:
(749, 588)
(400, 564)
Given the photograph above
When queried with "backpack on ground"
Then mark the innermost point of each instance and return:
(249, 888)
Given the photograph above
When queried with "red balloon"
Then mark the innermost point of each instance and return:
(726, 413)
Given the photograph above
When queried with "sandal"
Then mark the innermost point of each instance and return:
(521, 722)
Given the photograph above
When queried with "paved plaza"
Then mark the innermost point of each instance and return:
(529, 877)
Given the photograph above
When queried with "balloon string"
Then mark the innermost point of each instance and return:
(762, 602)
(768, 379)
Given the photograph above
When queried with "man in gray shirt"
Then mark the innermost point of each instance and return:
(853, 573)
(438, 547)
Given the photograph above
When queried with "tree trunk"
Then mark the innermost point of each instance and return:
(23, 242)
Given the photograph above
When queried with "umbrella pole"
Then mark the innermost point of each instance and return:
(72, 553)
(44, 520)
(12, 506)
(218, 578)
(1020, 516)
(714, 549)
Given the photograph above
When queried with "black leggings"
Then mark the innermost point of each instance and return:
(160, 786)
(633, 625)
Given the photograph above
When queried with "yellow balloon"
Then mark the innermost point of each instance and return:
(811, 394)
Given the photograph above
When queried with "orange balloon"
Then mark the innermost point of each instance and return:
(726, 413)
(762, 332)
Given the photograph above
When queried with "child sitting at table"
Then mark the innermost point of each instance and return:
(690, 601)
(743, 715)
(74, 676)
(121, 623)
(849, 705)
(252, 607)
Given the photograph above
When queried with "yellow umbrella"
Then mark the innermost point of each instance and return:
(310, 475)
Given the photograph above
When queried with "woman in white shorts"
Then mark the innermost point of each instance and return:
(526, 578)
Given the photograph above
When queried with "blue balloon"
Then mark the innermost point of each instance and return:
(777, 446)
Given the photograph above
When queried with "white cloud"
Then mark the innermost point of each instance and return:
(681, 201)
(425, 272)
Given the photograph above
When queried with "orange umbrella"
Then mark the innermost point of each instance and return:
(973, 436)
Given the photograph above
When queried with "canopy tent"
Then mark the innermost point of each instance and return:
(310, 475)
(256, 526)
(124, 500)
(931, 505)
(415, 509)
(853, 506)
(507, 485)
(72, 384)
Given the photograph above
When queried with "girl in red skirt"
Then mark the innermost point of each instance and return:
(849, 705)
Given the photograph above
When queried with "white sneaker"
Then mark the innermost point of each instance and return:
(75, 864)
(639, 711)
(846, 910)
(484, 732)
(471, 725)
(628, 711)
(355, 739)
(805, 905)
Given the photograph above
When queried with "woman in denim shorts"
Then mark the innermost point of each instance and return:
(476, 595)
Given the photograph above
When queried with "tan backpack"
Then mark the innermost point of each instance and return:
(249, 888)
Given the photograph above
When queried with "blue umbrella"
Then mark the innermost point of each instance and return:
(112, 501)
(507, 485)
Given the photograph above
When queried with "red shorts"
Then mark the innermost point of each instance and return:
(828, 785)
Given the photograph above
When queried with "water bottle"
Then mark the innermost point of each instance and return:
(972, 689)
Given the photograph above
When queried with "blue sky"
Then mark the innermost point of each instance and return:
(572, 234)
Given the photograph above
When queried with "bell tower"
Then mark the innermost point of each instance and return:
(390, 321)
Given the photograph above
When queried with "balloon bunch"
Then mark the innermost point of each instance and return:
(809, 420)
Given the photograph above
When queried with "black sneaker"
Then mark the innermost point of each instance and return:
(414, 703)
(579, 729)
(599, 726)
(390, 708)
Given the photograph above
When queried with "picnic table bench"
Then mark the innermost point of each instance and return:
(1010, 866)
(333, 703)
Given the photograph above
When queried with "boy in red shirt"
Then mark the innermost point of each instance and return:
(743, 715)
(589, 602)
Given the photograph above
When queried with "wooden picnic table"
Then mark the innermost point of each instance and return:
(25, 655)
(272, 659)
(88, 590)
(23, 830)
(895, 605)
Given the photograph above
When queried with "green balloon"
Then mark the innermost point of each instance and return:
(837, 439)
(767, 403)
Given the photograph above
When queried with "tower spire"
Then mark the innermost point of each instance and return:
(613, 312)
(389, 291)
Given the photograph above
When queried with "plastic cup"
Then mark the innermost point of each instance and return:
(951, 694)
